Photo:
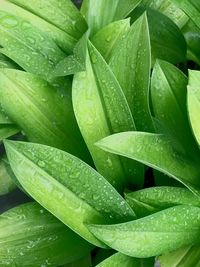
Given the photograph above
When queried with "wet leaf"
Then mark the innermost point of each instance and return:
(132, 55)
(156, 151)
(108, 37)
(30, 236)
(63, 14)
(168, 92)
(151, 200)
(101, 109)
(100, 13)
(119, 260)
(194, 102)
(153, 235)
(184, 257)
(42, 112)
(67, 187)
(167, 41)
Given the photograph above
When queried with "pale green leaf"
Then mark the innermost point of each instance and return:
(101, 109)
(168, 93)
(31, 236)
(100, 13)
(44, 113)
(63, 14)
(153, 235)
(184, 257)
(107, 38)
(193, 102)
(156, 151)
(151, 200)
(132, 55)
(67, 187)
(118, 260)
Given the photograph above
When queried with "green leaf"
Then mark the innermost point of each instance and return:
(169, 9)
(168, 93)
(108, 37)
(28, 46)
(193, 102)
(101, 109)
(191, 8)
(119, 260)
(132, 55)
(63, 39)
(31, 236)
(184, 257)
(7, 130)
(6, 183)
(156, 151)
(67, 187)
(85, 262)
(167, 41)
(42, 112)
(153, 235)
(75, 62)
(5, 62)
(63, 14)
(100, 13)
(151, 200)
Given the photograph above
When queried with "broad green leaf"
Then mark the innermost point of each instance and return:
(65, 40)
(168, 93)
(153, 235)
(119, 260)
(6, 183)
(29, 47)
(156, 151)
(75, 62)
(101, 109)
(67, 187)
(106, 38)
(5, 62)
(100, 13)
(167, 41)
(132, 55)
(193, 102)
(167, 8)
(191, 8)
(42, 112)
(30, 236)
(63, 14)
(184, 257)
(151, 200)
(192, 36)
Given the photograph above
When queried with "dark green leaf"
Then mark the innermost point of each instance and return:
(101, 109)
(69, 188)
(32, 237)
(153, 235)
(6, 183)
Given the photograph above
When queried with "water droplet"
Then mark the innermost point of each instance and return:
(41, 163)
(93, 58)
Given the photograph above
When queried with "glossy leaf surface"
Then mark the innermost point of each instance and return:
(152, 235)
(31, 236)
(76, 194)
(101, 109)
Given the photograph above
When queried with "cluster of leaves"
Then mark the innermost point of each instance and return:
(98, 98)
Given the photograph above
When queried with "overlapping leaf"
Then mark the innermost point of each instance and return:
(6, 183)
(31, 236)
(69, 188)
(42, 112)
(132, 54)
(153, 235)
(101, 109)
(102, 12)
(168, 92)
(151, 200)
(157, 151)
